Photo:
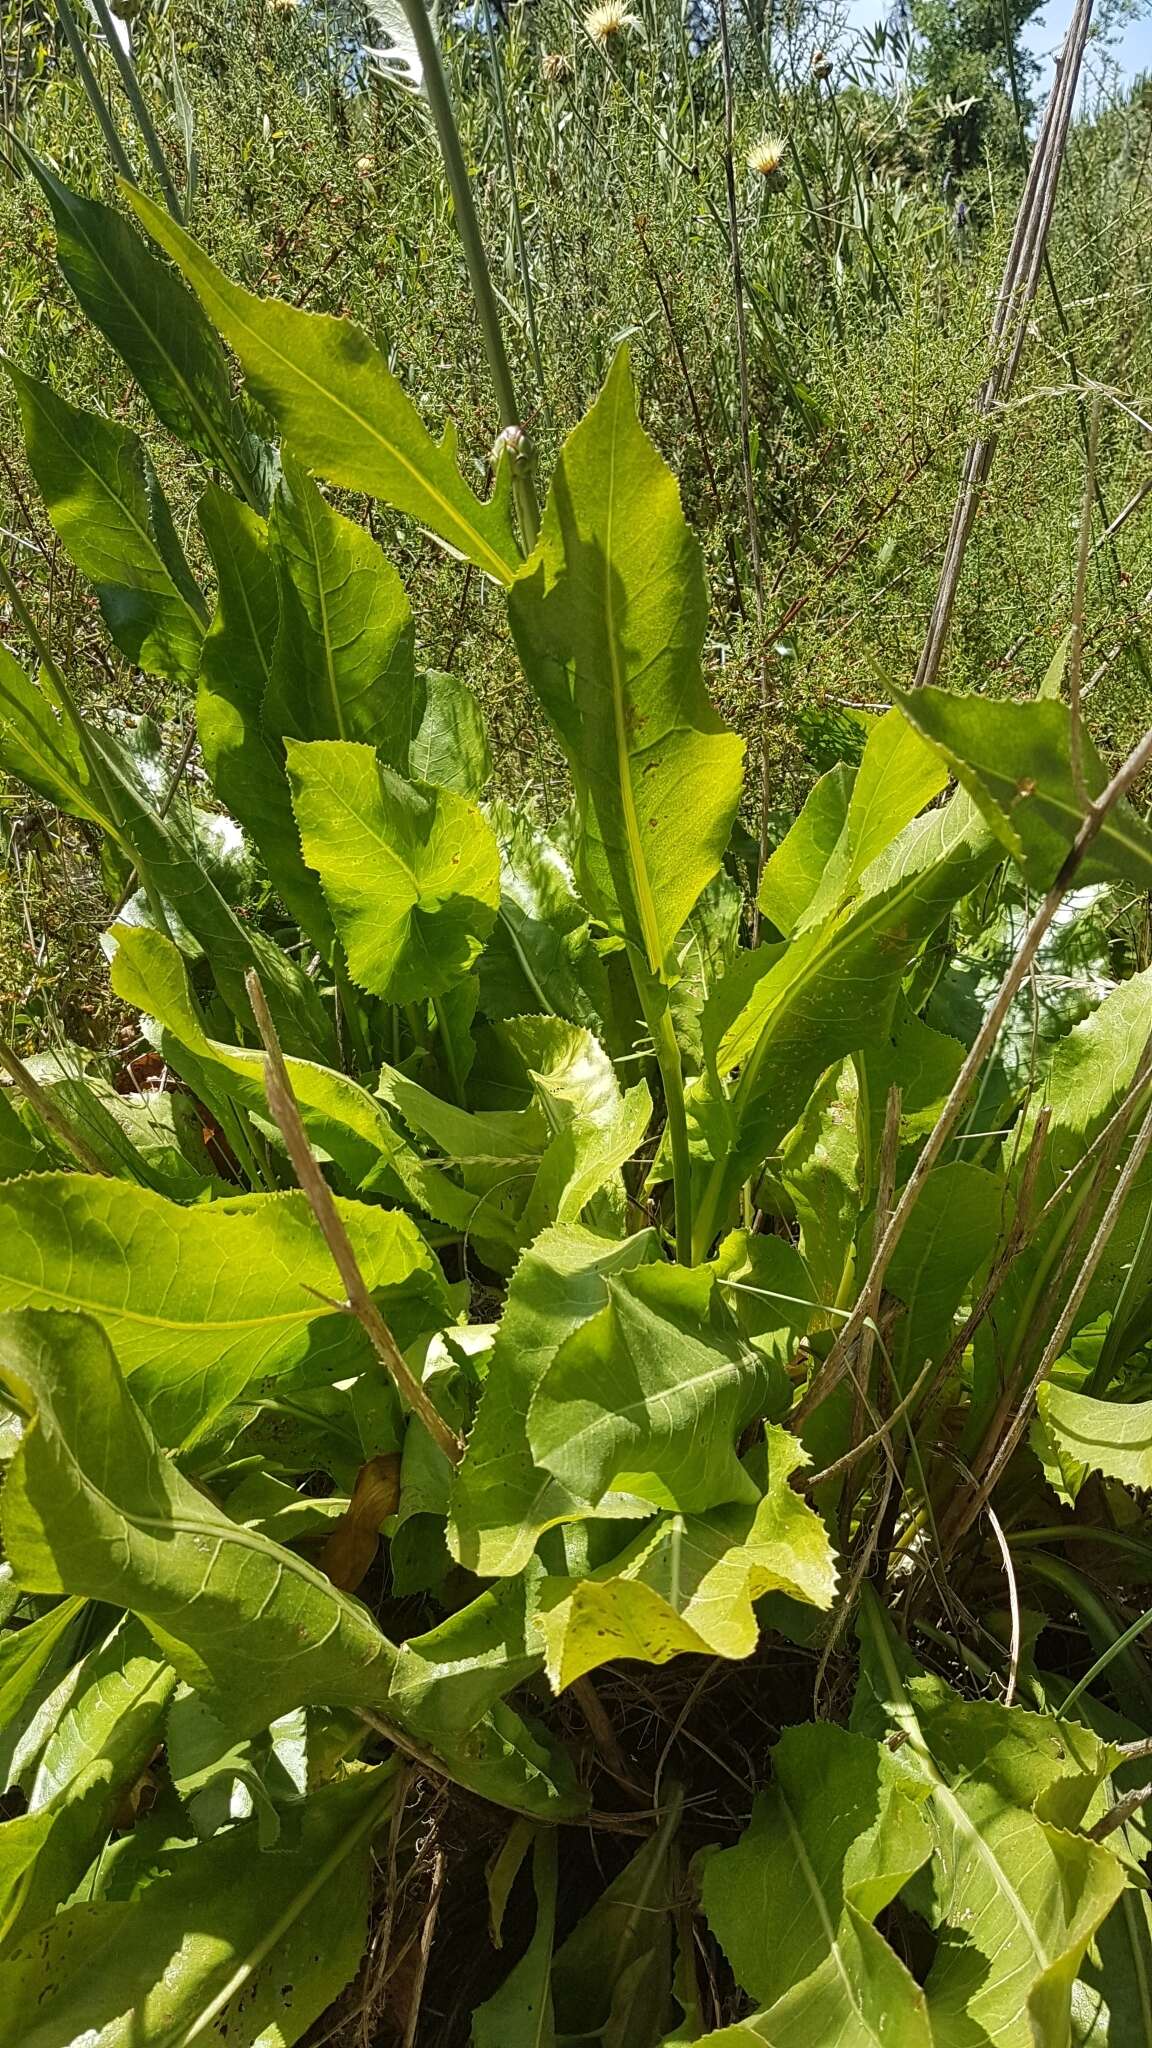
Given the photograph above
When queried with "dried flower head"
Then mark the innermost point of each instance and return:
(604, 23)
(555, 67)
(766, 159)
(365, 166)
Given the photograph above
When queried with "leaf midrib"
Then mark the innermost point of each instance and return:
(645, 901)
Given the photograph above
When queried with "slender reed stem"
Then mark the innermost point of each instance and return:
(96, 99)
(124, 65)
(472, 243)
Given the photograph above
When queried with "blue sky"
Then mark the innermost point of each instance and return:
(1132, 50)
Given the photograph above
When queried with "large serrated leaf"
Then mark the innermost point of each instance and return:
(411, 873)
(650, 1396)
(201, 1302)
(794, 1010)
(1016, 760)
(1016, 1898)
(92, 1504)
(609, 617)
(342, 1119)
(689, 1583)
(342, 409)
(501, 1500)
(154, 322)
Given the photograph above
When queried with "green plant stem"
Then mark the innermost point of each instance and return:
(447, 1048)
(517, 217)
(658, 1017)
(96, 99)
(472, 242)
(131, 83)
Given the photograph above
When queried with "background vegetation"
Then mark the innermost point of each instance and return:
(869, 266)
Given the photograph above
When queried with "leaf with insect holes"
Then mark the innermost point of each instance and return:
(1017, 761)
(342, 667)
(202, 1302)
(227, 1943)
(688, 1583)
(411, 873)
(832, 1841)
(339, 406)
(104, 501)
(609, 616)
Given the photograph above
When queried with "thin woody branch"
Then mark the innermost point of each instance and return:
(283, 1105)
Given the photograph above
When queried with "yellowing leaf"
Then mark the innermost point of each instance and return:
(689, 1583)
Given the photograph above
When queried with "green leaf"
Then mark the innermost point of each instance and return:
(232, 1945)
(689, 1583)
(246, 769)
(540, 956)
(30, 1658)
(104, 502)
(798, 1008)
(42, 749)
(346, 1123)
(519, 2014)
(830, 1844)
(201, 1303)
(593, 1127)
(620, 1954)
(1016, 1898)
(450, 746)
(950, 1233)
(609, 617)
(793, 872)
(342, 668)
(92, 1504)
(1110, 1437)
(501, 1501)
(344, 413)
(650, 1395)
(411, 873)
(153, 322)
(110, 1731)
(898, 774)
(1112, 2000)
(1016, 761)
